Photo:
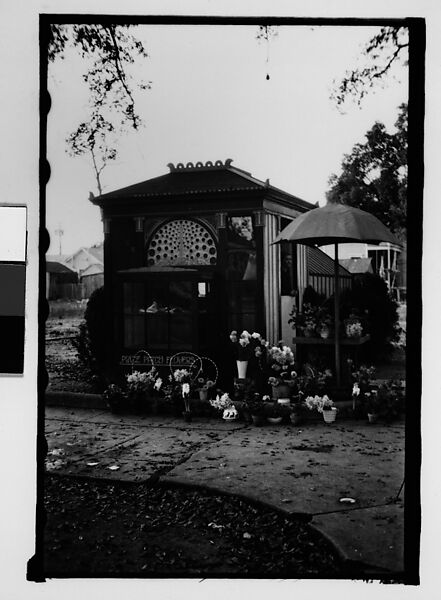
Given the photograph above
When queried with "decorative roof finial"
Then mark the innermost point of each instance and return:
(218, 164)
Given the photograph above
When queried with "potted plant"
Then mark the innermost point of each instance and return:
(222, 402)
(323, 405)
(205, 387)
(353, 326)
(256, 409)
(182, 379)
(115, 398)
(140, 387)
(372, 406)
(390, 400)
(362, 385)
(280, 360)
(310, 319)
(324, 321)
(275, 413)
(246, 346)
(297, 409)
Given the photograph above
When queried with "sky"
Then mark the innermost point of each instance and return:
(210, 99)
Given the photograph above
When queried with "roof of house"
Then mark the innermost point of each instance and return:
(57, 267)
(98, 251)
(193, 179)
(357, 265)
(59, 258)
(320, 263)
(93, 269)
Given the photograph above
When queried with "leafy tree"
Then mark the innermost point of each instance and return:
(111, 50)
(92, 137)
(370, 297)
(389, 47)
(374, 175)
(90, 342)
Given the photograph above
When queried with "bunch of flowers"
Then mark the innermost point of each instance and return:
(307, 318)
(354, 329)
(181, 379)
(138, 383)
(181, 376)
(280, 360)
(205, 384)
(221, 402)
(247, 345)
(319, 403)
(362, 379)
(114, 396)
(255, 404)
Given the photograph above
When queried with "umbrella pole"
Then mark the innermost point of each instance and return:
(336, 316)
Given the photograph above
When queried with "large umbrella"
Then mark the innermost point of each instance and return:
(336, 224)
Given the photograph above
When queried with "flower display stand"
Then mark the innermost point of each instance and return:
(281, 391)
(329, 416)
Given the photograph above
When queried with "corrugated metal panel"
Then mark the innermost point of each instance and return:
(271, 277)
(320, 263)
(302, 273)
(324, 284)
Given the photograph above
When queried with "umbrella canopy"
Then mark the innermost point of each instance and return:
(336, 223)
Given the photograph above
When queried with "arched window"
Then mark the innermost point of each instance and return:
(182, 242)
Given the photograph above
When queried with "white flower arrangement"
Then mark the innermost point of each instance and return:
(181, 375)
(246, 344)
(221, 402)
(354, 330)
(319, 403)
(142, 382)
(280, 356)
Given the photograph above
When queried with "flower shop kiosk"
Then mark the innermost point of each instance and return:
(189, 256)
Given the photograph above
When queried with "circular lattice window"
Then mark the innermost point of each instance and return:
(182, 242)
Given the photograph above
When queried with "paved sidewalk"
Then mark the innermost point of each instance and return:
(299, 470)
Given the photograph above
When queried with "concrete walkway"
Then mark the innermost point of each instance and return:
(298, 470)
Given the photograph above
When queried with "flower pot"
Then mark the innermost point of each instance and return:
(230, 414)
(329, 416)
(295, 418)
(187, 416)
(203, 395)
(372, 417)
(274, 420)
(257, 420)
(246, 415)
(281, 391)
(309, 332)
(242, 366)
(324, 333)
(284, 401)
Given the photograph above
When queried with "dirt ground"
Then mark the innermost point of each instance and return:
(110, 528)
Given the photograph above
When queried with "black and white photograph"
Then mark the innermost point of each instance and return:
(226, 279)
(220, 366)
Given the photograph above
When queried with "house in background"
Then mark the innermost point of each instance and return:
(357, 266)
(89, 264)
(86, 263)
(92, 278)
(61, 281)
(386, 260)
